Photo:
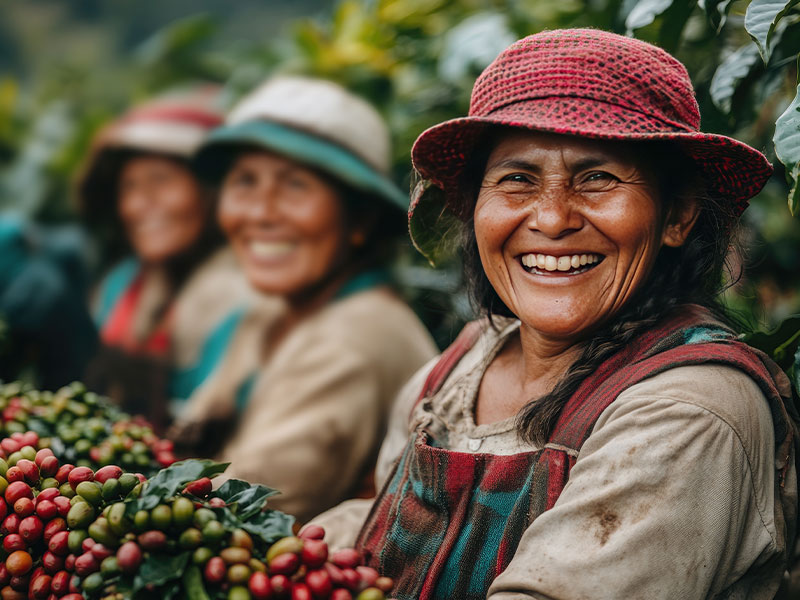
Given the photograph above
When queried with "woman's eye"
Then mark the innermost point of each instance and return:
(297, 182)
(599, 180)
(241, 179)
(515, 178)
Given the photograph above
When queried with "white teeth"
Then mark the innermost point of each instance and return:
(549, 262)
(270, 249)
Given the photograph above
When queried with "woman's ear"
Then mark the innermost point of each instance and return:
(680, 220)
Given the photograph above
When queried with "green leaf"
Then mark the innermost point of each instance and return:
(787, 148)
(168, 482)
(433, 227)
(795, 372)
(726, 78)
(158, 569)
(781, 343)
(716, 12)
(180, 36)
(193, 584)
(645, 13)
(269, 525)
(243, 498)
(760, 20)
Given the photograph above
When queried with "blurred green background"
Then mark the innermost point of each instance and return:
(68, 67)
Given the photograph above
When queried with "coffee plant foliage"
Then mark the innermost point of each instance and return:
(416, 61)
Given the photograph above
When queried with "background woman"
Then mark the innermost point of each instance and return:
(166, 311)
(604, 435)
(311, 214)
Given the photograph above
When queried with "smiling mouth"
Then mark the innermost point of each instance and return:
(570, 264)
(269, 250)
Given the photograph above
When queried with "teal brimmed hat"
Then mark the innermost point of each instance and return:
(312, 121)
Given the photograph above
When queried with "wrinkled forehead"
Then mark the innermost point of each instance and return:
(539, 149)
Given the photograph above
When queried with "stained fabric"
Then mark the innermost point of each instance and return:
(447, 523)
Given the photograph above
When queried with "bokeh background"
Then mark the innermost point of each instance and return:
(66, 68)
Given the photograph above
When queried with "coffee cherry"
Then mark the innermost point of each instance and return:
(315, 553)
(311, 532)
(18, 563)
(259, 586)
(13, 542)
(31, 529)
(129, 557)
(24, 507)
(79, 475)
(215, 570)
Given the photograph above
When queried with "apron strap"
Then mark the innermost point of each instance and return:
(449, 359)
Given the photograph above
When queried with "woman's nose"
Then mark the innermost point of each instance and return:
(553, 213)
(264, 205)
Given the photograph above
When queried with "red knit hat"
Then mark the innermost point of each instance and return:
(588, 83)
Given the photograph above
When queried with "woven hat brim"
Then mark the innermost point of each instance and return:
(732, 169)
(213, 158)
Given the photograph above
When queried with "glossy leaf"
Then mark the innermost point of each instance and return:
(780, 343)
(716, 12)
(760, 20)
(168, 482)
(733, 70)
(243, 498)
(787, 148)
(644, 13)
(269, 525)
(158, 569)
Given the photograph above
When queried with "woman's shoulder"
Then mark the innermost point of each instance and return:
(373, 319)
(723, 397)
(721, 390)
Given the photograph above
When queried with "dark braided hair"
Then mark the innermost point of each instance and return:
(691, 273)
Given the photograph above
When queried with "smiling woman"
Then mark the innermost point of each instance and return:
(164, 312)
(602, 433)
(301, 401)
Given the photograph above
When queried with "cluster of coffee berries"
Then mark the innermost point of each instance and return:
(300, 568)
(44, 507)
(83, 428)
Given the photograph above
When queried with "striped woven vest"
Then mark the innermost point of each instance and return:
(447, 523)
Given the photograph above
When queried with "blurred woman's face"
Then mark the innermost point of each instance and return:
(161, 207)
(567, 229)
(286, 224)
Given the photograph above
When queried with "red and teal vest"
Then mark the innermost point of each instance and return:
(446, 523)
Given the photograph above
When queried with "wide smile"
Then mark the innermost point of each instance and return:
(269, 251)
(566, 264)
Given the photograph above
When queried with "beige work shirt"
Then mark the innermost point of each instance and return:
(319, 405)
(672, 496)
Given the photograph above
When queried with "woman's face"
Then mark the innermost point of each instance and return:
(567, 229)
(286, 224)
(161, 207)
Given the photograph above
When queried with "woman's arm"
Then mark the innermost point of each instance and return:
(671, 497)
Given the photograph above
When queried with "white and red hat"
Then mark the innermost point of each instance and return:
(173, 124)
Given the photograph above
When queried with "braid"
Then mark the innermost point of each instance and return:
(692, 273)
